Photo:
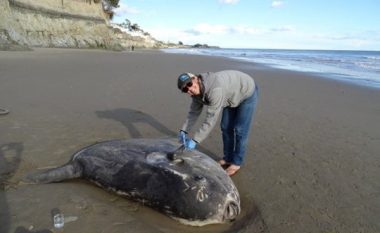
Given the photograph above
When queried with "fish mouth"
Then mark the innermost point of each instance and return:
(231, 211)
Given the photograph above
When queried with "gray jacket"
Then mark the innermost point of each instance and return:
(226, 88)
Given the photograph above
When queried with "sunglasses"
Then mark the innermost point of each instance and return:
(185, 89)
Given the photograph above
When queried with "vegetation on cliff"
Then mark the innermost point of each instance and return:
(109, 6)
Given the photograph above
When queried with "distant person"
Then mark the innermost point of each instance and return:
(231, 92)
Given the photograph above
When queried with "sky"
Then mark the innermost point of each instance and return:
(262, 24)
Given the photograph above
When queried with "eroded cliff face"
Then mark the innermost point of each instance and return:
(60, 23)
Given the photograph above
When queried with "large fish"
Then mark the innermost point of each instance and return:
(192, 189)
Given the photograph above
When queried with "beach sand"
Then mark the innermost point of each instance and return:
(313, 160)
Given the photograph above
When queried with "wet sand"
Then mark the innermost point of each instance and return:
(313, 163)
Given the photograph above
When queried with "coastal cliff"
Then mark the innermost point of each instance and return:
(63, 24)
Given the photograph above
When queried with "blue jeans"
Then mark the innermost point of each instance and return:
(235, 126)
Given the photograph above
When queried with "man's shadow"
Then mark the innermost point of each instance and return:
(24, 230)
(10, 157)
(130, 117)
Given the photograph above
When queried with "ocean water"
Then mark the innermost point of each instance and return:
(358, 67)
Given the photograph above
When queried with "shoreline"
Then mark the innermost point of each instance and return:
(312, 164)
(324, 63)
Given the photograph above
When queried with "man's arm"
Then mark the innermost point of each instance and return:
(213, 111)
(192, 116)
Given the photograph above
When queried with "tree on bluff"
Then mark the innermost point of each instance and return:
(112, 3)
(135, 27)
(126, 24)
(109, 6)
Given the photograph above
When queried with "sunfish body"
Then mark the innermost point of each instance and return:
(194, 190)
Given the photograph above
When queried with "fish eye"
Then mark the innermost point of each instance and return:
(200, 179)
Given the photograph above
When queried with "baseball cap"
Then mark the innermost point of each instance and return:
(184, 79)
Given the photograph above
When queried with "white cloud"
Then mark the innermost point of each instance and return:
(277, 4)
(248, 36)
(207, 33)
(229, 1)
(124, 9)
(240, 29)
(210, 29)
(205, 28)
(286, 28)
(340, 37)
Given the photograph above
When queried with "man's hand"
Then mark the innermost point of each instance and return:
(190, 144)
(182, 137)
